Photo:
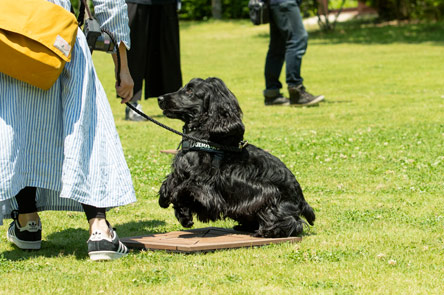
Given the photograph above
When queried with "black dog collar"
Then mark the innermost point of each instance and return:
(188, 145)
(208, 147)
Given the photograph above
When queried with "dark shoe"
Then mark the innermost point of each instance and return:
(102, 248)
(300, 97)
(274, 97)
(131, 115)
(28, 237)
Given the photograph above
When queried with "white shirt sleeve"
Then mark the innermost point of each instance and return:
(112, 16)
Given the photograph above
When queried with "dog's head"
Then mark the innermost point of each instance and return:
(208, 106)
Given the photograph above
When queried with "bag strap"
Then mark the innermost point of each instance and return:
(81, 17)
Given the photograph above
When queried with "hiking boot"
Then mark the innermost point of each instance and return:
(131, 115)
(28, 237)
(274, 97)
(300, 97)
(102, 248)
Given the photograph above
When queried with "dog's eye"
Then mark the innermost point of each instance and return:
(189, 91)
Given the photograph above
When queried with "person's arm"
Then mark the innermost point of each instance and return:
(125, 89)
(112, 15)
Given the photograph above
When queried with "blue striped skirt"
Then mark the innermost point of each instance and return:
(62, 141)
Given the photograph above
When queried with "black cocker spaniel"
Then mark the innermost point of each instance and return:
(226, 178)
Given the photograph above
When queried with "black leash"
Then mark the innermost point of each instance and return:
(211, 145)
(238, 149)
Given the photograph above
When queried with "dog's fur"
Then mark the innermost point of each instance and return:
(252, 187)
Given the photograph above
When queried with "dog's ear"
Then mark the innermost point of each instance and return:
(224, 112)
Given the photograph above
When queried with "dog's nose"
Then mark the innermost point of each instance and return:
(160, 101)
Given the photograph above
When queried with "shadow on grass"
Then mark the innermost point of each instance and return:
(327, 101)
(72, 241)
(372, 32)
(367, 32)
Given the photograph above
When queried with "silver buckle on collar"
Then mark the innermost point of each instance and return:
(243, 144)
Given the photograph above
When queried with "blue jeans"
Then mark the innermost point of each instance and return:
(288, 42)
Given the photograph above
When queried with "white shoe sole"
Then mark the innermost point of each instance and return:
(278, 105)
(105, 255)
(25, 245)
(313, 102)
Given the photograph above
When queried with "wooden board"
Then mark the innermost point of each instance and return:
(201, 240)
(172, 152)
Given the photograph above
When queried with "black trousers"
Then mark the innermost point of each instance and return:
(155, 49)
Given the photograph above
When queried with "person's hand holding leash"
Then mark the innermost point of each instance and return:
(125, 88)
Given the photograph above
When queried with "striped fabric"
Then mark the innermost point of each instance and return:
(63, 141)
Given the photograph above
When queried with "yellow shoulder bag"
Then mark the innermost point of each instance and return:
(36, 39)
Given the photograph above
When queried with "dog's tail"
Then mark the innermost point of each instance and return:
(308, 213)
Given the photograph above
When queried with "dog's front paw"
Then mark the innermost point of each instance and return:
(246, 227)
(257, 234)
(184, 216)
(164, 202)
(187, 223)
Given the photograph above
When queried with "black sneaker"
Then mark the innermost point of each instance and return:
(28, 237)
(300, 97)
(274, 97)
(102, 248)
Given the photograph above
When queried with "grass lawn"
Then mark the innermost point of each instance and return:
(370, 160)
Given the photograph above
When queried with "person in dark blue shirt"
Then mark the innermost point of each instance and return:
(288, 42)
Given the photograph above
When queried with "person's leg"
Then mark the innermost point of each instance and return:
(25, 231)
(138, 18)
(103, 243)
(164, 73)
(296, 38)
(276, 52)
(27, 210)
(97, 219)
(137, 57)
(274, 62)
(292, 29)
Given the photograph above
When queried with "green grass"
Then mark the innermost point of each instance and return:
(370, 161)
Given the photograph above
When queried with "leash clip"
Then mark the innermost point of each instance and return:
(243, 144)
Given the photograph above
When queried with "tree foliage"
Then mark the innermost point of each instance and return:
(408, 9)
(201, 9)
